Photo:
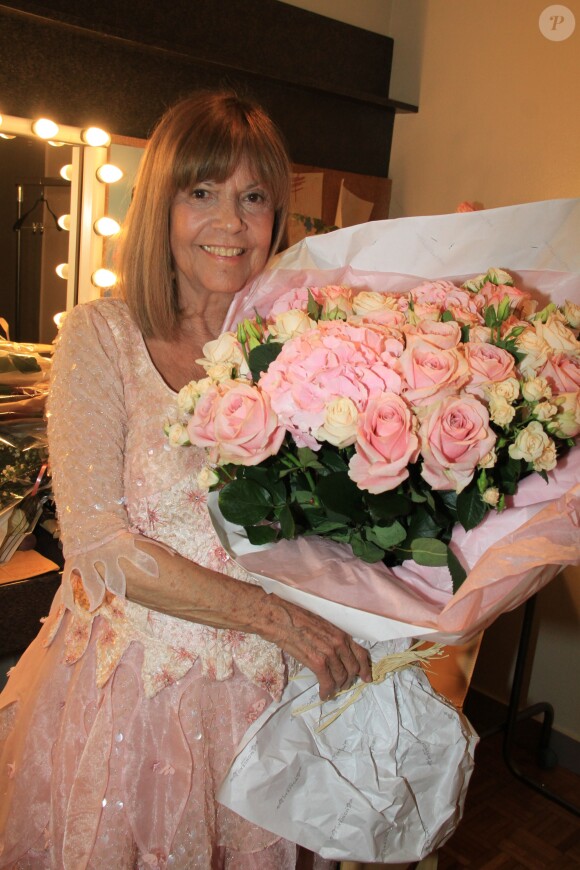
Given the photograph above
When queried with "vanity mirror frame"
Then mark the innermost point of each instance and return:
(87, 203)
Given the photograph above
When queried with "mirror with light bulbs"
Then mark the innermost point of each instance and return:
(54, 183)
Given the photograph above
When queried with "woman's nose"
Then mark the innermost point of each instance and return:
(230, 215)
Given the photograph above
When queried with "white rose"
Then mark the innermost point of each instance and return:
(368, 301)
(491, 496)
(207, 477)
(508, 390)
(557, 335)
(536, 349)
(500, 411)
(176, 434)
(288, 324)
(547, 460)
(535, 389)
(340, 423)
(572, 314)
(530, 443)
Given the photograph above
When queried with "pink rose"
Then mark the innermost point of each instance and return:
(297, 297)
(236, 422)
(455, 436)
(562, 372)
(487, 364)
(439, 334)
(335, 360)
(494, 294)
(430, 371)
(432, 293)
(386, 444)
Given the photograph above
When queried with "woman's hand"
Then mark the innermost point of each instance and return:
(333, 656)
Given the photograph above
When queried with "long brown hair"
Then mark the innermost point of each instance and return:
(205, 136)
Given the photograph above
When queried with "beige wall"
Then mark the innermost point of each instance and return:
(498, 117)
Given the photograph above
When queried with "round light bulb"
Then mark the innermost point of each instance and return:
(62, 270)
(66, 172)
(64, 222)
(108, 173)
(95, 136)
(104, 278)
(55, 144)
(106, 226)
(59, 318)
(45, 129)
(6, 136)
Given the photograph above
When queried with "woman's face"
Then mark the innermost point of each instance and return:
(220, 234)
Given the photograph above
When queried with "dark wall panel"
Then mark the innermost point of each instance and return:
(119, 65)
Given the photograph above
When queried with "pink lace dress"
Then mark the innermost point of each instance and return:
(118, 723)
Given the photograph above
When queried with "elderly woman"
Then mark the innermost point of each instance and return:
(123, 716)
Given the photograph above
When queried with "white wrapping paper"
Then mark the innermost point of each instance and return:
(386, 781)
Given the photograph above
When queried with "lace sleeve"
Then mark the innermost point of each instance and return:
(87, 424)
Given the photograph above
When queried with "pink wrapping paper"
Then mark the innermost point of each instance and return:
(510, 556)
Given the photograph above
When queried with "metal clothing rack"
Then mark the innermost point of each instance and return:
(546, 757)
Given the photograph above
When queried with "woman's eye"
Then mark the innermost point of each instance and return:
(199, 193)
(256, 198)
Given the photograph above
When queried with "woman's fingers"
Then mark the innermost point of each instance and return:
(334, 657)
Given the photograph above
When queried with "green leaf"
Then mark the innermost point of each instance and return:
(308, 458)
(24, 364)
(259, 535)
(313, 308)
(365, 550)
(324, 526)
(244, 502)
(471, 509)
(388, 505)
(286, 520)
(423, 525)
(465, 330)
(331, 458)
(261, 356)
(429, 551)
(341, 496)
(387, 536)
(447, 315)
(490, 316)
(456, 569)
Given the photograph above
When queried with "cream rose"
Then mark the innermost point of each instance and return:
(557, 335)
(340, 423)
(508, 390)
(535, 389)
(207, 477)
(491, 496)
(571, 312)
(289, 324)
(530, 443)
(566, 423)
(536, 349)
(547, 461)
(225, 349)
(545, 411)
(177, 434)
(369, 302)
(489, 460)
(500, 411)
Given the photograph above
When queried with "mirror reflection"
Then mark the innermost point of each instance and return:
(33, 198)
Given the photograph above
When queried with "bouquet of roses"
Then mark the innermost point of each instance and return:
(380, 420)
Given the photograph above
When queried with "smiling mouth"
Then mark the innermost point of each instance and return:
(222, 252)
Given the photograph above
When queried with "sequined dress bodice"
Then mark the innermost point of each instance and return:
(116, 477)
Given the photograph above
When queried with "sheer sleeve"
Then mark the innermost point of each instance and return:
(87, 425)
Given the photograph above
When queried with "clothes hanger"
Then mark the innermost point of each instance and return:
(40, 200)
